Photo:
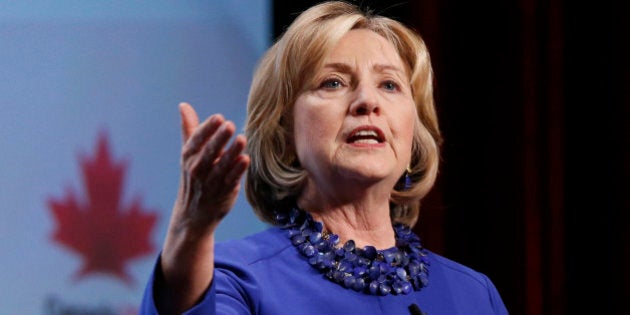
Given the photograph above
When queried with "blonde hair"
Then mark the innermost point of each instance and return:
(274, 177)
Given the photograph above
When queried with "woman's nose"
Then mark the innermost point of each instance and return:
(365, 101)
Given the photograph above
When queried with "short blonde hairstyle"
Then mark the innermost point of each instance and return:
(275, 178)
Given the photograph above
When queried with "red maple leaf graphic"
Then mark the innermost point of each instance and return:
(97, 227)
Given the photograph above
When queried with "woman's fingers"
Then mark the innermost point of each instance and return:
(189, 118)
(208, 160)
(240, 162)
(231, 165)
(220, 193)
(212, 150)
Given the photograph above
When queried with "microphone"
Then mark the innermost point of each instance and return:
(414, 309)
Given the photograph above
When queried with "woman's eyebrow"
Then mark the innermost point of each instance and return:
(387, 67)
(339, 66)
(342, 67)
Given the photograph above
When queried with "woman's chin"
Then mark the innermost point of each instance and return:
(368, 175)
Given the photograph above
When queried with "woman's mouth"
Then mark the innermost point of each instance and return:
(366, 135)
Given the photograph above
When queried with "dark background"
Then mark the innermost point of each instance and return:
(532, 97)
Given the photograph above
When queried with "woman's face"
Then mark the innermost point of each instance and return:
(356, 121)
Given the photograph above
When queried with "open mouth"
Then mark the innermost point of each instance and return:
(366, 135)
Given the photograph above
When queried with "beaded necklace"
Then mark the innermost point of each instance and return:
(397, 270)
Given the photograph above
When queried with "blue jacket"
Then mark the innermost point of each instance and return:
(265, 274)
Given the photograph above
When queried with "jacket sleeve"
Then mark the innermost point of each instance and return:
(232, 291)
(206, 306)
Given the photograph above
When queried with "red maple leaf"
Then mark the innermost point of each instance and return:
(98, 227)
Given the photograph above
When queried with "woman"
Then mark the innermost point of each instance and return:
(342, 143)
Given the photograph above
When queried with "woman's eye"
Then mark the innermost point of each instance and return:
(331, 84)
(390, 85)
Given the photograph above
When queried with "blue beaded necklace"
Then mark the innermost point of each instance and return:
(398, 270)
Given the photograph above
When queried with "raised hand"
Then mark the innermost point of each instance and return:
(210, 182)
(211, 174)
